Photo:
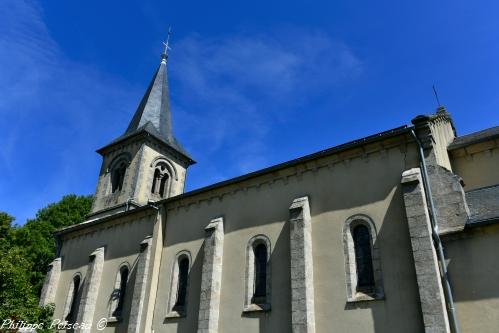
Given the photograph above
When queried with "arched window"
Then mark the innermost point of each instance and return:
(162, 185)
(156, 179)
(260, 252)
(70, 310)
(363, 257)
(183, 274)
(362, 261)
(118, 294)
(118, 176)
(257, 274)
(177, 302)
(160, 181)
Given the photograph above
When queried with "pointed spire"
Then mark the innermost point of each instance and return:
(155, 106)
(153, 114)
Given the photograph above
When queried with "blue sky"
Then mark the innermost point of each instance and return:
(252, 83)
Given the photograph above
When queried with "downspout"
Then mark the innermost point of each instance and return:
(444, 274)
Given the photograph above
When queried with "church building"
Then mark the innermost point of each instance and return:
(394, 232)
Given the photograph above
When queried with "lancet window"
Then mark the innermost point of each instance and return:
(119, 292)
(70, 310)
(258, 274)
(362, 259)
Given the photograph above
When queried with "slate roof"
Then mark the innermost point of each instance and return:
(153, 115)
(483, 204)
(466, 140)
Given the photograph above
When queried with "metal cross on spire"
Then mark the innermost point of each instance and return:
(436, 95)
(167, 43)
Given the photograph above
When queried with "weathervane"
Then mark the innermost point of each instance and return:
(436, 95)
(166, 44)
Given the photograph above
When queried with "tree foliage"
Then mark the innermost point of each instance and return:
(26, 252)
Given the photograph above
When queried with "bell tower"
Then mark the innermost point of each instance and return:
(146, 163)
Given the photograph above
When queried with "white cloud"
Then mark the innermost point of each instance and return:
(52, 110)
(228, 94)
(242, 85)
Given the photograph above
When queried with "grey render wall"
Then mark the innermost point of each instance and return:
(477, 164)
(121, 239)
(338, 187)
(474, 272)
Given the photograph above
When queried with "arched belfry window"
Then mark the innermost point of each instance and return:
(362, 260)
(177, 302)
(257, 285)
(118, 176)
(117, 171)
(70, 308)
(119, 292)
(161, 180)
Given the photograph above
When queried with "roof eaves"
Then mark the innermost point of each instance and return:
(144, 132)
(336, 149)
(474, 223)
(96, 221)
(474, 138)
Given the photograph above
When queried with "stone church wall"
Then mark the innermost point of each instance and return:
(473, 270)
(338, 187)
(477, 164)
(120, 238)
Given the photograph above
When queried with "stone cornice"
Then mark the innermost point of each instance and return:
(283, 173)
(105, 222)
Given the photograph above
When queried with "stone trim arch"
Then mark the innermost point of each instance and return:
(72, 297)
(126, 156)
(249, 286)
(113, 184)
(172, 311)
(171, 168)
(116, 293)
(353, 292)
(160, 180)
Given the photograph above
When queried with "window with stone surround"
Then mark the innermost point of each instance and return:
(117, 170)
(160, 180)
(118, 294)
(258, 277)
(177, 301)
(362, 260)
(118, 176)
(163, 174)
(70, 308)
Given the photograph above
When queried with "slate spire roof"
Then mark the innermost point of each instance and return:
(155, 106)
(153, 115)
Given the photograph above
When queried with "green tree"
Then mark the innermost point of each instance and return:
(5, 231)
(18, 301)
(26, 252)
(36, 236)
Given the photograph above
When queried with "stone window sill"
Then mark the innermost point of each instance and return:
(155, 197)
(363, 297)
(256, 308)
(175, 314)
(113, 319)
